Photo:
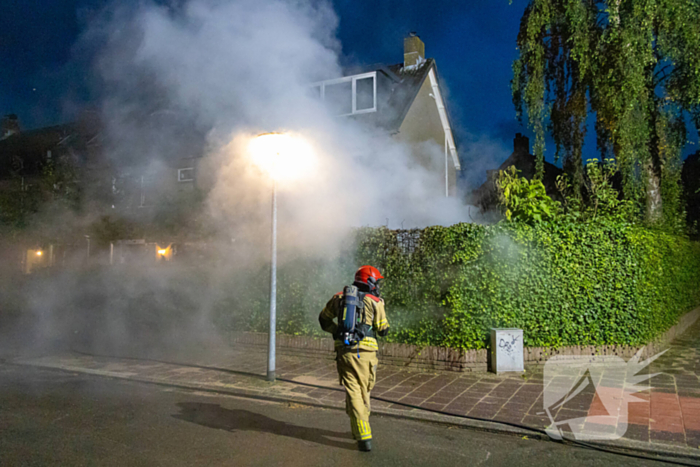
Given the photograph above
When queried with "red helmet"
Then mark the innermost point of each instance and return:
(368, 275)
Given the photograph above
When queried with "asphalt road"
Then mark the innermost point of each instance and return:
(56, 418)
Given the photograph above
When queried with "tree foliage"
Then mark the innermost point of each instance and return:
(39, 207)
(579, 273)
(635, 65)
(524, 199)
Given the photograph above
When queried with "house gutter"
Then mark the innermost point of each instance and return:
(449, 139)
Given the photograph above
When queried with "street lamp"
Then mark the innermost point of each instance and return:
(283, 157)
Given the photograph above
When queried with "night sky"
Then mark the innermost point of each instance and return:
(45, 80)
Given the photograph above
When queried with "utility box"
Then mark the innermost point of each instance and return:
(507, 350)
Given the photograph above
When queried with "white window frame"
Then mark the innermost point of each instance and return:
(183, 180)
(353, 79)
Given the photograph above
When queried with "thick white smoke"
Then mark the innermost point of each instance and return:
(239, 68)
(199, 80)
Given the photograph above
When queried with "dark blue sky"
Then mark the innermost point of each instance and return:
(43, 80)
(473, 43)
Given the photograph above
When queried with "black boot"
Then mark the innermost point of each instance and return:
(365, 445)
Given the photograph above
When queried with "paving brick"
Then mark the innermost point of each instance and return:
(565, 414)
(690, 403)
(639, 408)
(600, 429)
(524, 398)
(638, 420)
(412, 400)
(530, 390)
(509, 416)
(517, 407)
(692, 438)
(440, 400)
(664, 398)
(663, 388)
(582, 405)
(483, 413)
(457, 409)
(480, 390)
(637, 433)
(691, 420)
(394, 395)
(507, 391)
(658, 411)
(494, 400)
(467, 400)
(666, 437)
(669, 424)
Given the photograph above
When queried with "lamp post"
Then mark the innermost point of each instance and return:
(282, 157)
(273, 289)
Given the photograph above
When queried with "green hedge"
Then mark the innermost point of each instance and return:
(562, 283)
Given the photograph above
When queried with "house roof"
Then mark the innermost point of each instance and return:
(486, 196)
(29, 148)
(165, 133)
(527, 164)
(394, 101)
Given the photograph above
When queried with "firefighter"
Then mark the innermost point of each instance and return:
(357, 362)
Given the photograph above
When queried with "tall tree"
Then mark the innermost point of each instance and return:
(635, 65)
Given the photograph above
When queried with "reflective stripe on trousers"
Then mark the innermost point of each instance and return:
(358, 375)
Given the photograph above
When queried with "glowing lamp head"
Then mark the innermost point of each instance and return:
(283, 156)
(162, 252)
(39, 253)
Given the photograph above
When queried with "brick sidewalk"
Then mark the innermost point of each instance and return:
(666, 416)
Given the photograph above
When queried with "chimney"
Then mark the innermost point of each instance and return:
(9, 126)
(521, 144)
(413, 50)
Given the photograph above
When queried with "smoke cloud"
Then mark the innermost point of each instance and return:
(231, 70)
(199, 79)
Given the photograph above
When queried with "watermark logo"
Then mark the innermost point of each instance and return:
(600, 386)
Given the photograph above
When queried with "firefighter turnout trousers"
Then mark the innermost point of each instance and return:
(357, 375)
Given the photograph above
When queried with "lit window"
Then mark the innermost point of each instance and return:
(185, 175)
(349, 95)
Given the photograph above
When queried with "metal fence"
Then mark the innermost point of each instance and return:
(408, 241)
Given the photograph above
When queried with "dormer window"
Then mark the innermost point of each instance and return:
(349, 95)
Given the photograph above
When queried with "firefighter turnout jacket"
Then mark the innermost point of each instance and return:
(374, 317)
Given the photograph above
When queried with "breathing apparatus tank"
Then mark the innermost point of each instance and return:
(351, 316)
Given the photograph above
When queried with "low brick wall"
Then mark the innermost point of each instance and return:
(443, 358)
(663, 341)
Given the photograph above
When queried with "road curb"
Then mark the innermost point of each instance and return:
(423, 415)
